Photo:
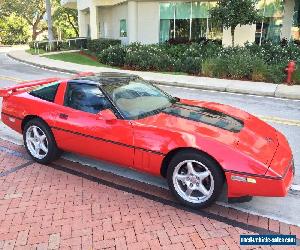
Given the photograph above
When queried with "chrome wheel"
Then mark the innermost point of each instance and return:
(36, 141)
(193, 181)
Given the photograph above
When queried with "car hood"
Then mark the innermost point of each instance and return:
(228, 125)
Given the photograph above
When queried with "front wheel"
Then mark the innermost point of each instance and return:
(195, 179)
(39, 142)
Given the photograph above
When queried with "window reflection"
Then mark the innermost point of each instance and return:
(296, 22)
(187, 20)
(270, 27)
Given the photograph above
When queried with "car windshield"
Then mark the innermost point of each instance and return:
(136, 99)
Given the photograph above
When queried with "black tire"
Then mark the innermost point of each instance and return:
(53, 152)
(215, 179)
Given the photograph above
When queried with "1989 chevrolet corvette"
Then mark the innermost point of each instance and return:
(198, 146)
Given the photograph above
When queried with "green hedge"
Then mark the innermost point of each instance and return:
(98, 45)
(252, 62)
(296, 76)
(71, 44)
(114, 56)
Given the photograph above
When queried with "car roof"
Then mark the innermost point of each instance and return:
(104, 78)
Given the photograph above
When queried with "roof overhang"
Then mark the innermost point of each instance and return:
(69, 3)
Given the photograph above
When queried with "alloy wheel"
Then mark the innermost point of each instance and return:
(36, 141)
(193, 181)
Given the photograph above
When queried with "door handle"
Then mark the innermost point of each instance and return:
(63, 116)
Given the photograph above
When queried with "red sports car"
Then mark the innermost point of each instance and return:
(198, 146)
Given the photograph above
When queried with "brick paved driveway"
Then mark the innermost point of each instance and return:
(69, 206)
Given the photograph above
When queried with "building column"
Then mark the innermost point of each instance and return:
(132, 22)
(94, 22)
(82, 25)
(287, 22)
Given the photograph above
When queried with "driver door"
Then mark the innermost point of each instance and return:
(78, 129)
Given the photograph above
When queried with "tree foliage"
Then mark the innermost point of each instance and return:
(66, 20)
(13, 30)
(32, 11)
(231, 13)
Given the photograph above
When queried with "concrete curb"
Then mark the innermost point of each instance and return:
(230, 86)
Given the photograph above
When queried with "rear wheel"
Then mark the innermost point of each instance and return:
(39, 141)
(195, 179)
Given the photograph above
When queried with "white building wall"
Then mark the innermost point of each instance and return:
(83, 4)
(287, 21)
(109, 18)
(143, 23)
(105, 16)
(148, 22)
(118, 12)
(132, 21)
(242, 34)
(83, 21)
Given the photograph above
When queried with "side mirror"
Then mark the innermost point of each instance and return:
(177, 99)
(106, 115)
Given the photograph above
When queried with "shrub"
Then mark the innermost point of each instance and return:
(211, 50)
(98, 45)
(276, 53)
(260, 71)
(175, 51)
(191, 65)
(215, 67)
(276, 73)
(239, 65)
(208, 67)
(148, 57)
(253, 62)
(296, 76)
(178, 40)
(65, 45)
(185, 40)
(31, 45)
(114, 56)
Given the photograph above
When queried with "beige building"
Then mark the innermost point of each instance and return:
(154, 21)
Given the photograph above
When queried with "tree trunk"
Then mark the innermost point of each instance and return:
(73, 26)
(34, 33)
(232, 35)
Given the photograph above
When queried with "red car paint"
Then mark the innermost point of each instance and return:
(258, 151)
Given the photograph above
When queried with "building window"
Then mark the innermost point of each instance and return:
(296, 22)
(270, 27)
(123, 28)
(200, 14)
(167, 16)
(182, 20)
(187, 20)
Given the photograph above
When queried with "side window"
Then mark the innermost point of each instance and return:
(85, 97)
(46, 92)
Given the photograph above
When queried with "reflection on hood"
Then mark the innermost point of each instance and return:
(207, 116)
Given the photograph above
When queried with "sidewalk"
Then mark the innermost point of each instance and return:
(234, 86)
(69, 206)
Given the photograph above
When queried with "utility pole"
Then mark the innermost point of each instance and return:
(49, 20)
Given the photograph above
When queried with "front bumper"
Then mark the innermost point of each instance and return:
(263, 186)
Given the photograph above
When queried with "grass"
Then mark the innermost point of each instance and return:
(75, 57)
(32, 51)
